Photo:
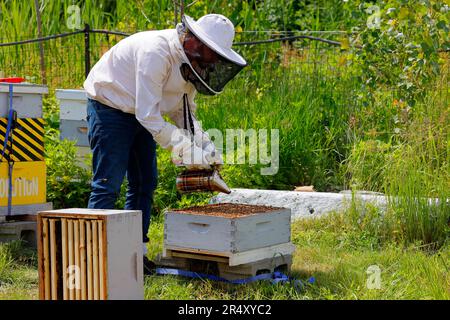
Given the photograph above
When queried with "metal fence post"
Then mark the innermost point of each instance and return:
(87, 50)
(40, 44)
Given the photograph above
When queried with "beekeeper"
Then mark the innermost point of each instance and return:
(132, 87)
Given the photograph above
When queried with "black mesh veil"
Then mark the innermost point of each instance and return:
(211, 78)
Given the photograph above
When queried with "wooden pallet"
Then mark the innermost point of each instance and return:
(225, 266)
(282, 264)
(233, 259)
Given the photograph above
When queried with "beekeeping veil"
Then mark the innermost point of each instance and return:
(217, 33)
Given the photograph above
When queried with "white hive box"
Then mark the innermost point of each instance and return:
(242, 233)
(29, 171)
(73, 123)
(27, 100)
(72, 115)
(90, 254)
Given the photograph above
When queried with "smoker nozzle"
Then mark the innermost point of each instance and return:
(201, 181)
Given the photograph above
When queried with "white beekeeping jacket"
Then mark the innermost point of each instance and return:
(141, 75)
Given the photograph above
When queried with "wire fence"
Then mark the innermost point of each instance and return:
(308, 72)
(68, 57)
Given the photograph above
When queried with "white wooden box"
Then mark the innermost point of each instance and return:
(72, 115)
(226, 234)
(90, 254)
(75, 130)
(27, 100)
(73, 123)
(72, 104)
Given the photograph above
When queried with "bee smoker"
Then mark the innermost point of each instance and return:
(205, 180)
(201, 181)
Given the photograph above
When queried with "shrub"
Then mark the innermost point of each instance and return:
(68, 184)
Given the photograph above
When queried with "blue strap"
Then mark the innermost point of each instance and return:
(10, 185)
(275, 278)
(10, 95)
(10, 121)
(5, 146)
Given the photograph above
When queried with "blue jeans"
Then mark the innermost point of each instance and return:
(121, 145)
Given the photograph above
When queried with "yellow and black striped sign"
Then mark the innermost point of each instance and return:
(27, 139)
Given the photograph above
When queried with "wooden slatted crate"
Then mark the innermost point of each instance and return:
(90, 254)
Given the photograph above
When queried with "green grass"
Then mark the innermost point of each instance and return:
(328, 249)
(18, 272)
(412, 168)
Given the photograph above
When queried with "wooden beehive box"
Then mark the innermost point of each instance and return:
(27, 100)
(73, 122)
(224, 229)
(27, 151)
(90, 254)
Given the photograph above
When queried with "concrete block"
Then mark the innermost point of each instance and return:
(278, 263)
(26, 209)
(27, 100)
(302, 204)
(25, 230)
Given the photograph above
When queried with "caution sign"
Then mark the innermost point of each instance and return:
(27, 139)
(28, 183)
